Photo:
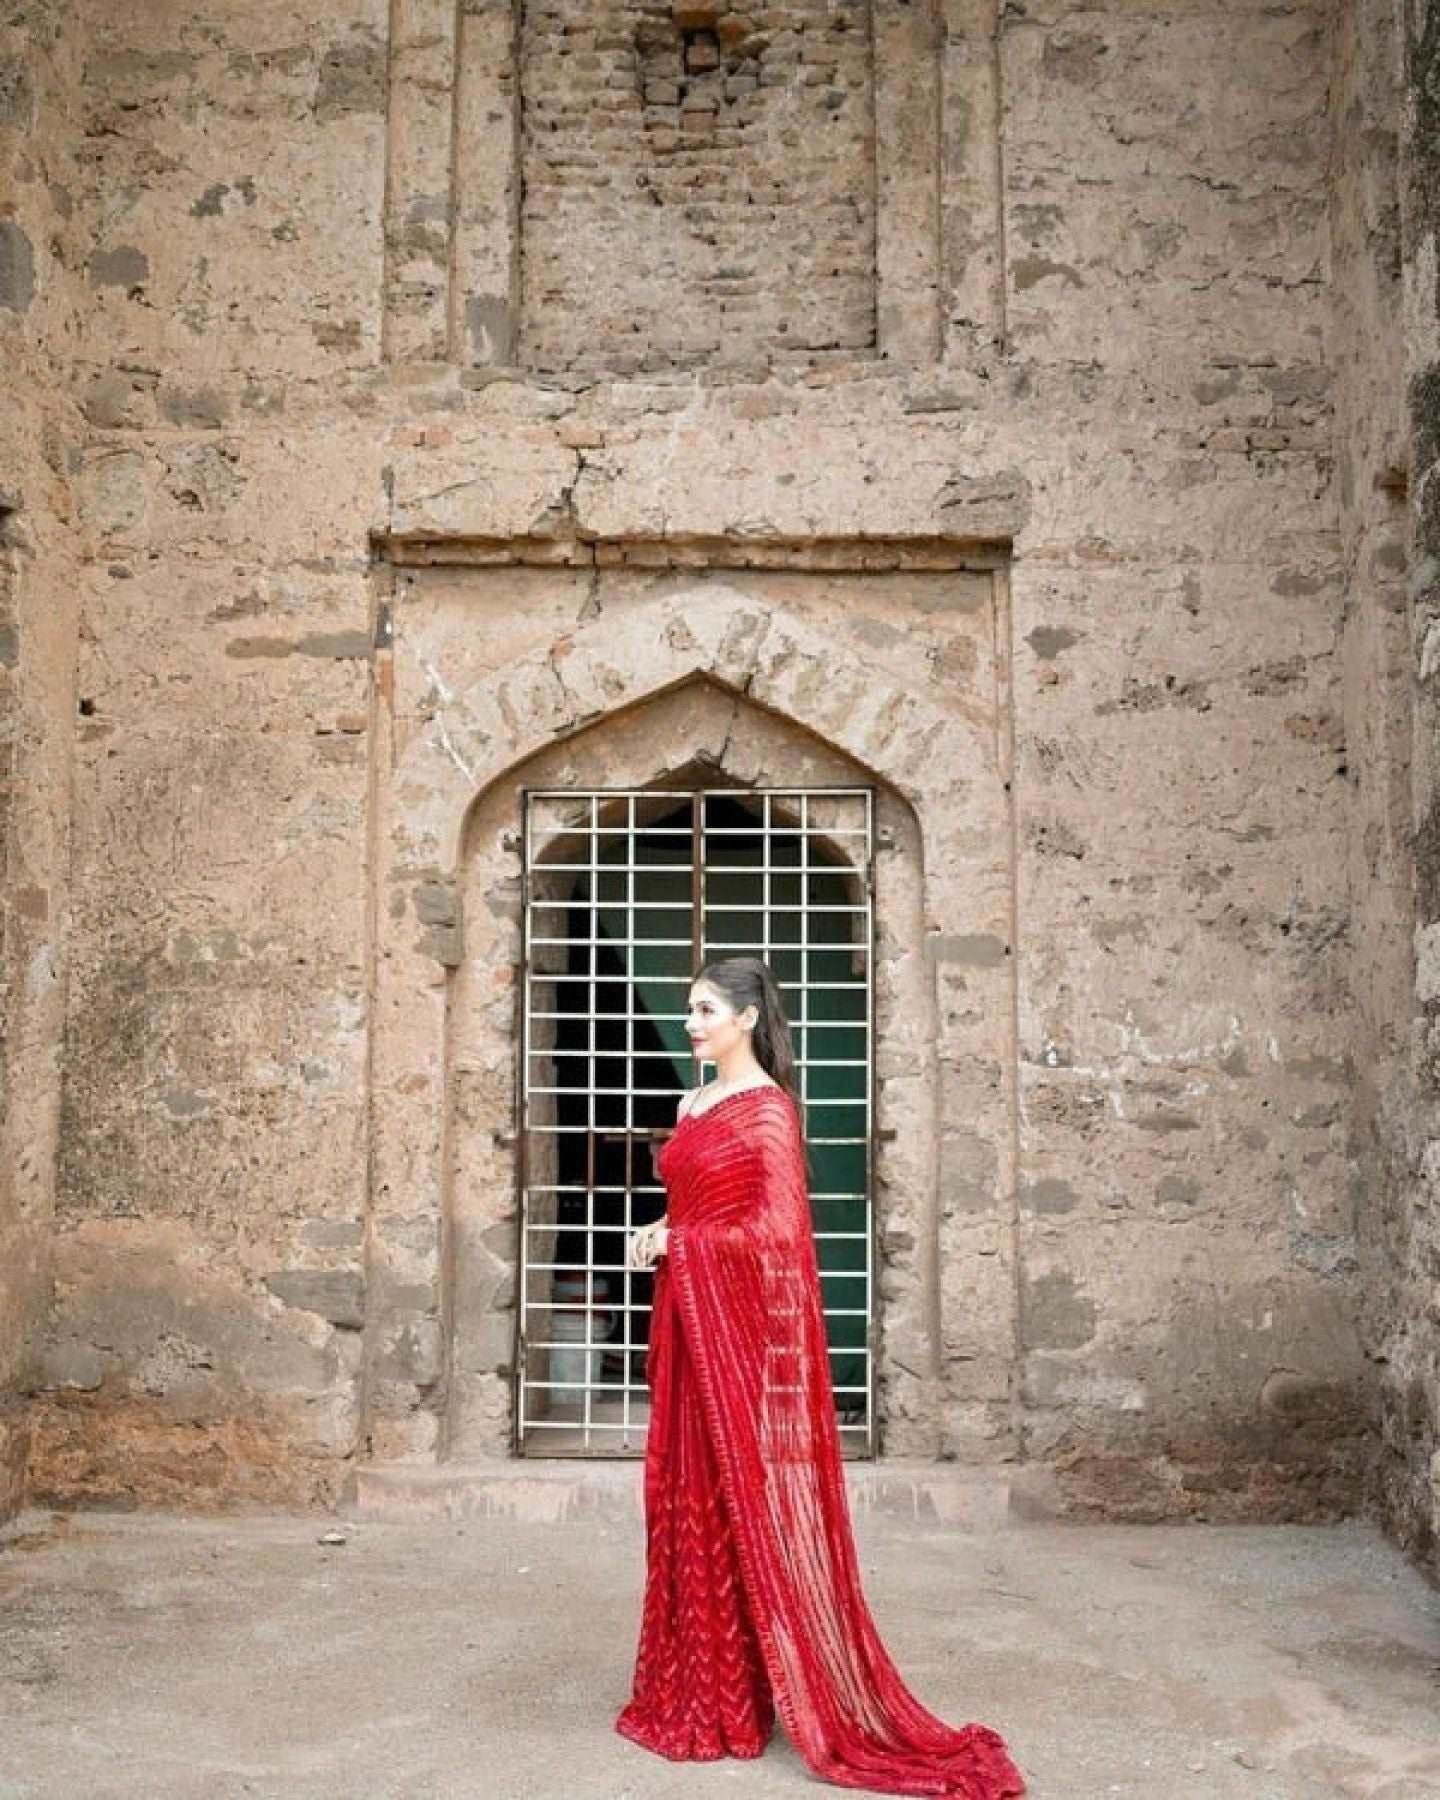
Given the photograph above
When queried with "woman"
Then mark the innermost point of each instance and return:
(752, 1594)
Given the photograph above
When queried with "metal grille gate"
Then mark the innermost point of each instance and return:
(625, 894)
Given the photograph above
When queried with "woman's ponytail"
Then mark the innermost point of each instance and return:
(747, 981)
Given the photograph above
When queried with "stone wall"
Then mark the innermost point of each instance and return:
(1403, 1309)
(41, 298)
(205, 1342)
(1371, 466)
(1102, 350)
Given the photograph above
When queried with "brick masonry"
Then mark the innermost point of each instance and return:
(699, 184)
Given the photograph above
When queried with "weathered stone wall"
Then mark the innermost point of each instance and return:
(1187, 1252)
(1101, 348)
(1405, 1325)
(205, 1338)
(41, 252)
(1371, 464)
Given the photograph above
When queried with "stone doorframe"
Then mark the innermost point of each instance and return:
(709, 679)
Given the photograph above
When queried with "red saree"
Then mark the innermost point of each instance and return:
(753, 1603)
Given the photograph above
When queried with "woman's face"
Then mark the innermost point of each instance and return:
(712, 1024)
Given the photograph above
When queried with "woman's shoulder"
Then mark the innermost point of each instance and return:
(694, 1096)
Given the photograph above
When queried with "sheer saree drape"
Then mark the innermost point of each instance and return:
(753, 1603)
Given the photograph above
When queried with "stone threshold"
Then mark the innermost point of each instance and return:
(967, 1496)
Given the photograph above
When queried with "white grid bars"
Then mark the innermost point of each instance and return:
(626, 893)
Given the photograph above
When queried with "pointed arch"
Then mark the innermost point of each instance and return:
(701, 732)
(888, 722)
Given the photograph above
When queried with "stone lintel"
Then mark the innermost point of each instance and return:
(864, 555)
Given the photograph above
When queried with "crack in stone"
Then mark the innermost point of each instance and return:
(590, 607)
(567, 699)
(730, 725)
(451, 750)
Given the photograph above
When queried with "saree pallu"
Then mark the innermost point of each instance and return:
(753, 1606)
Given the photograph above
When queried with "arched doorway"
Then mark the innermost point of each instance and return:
(625, 894)
(441, 1374)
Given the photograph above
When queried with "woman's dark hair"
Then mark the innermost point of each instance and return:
(747, 981)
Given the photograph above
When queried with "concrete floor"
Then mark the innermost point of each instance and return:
(158, 1656)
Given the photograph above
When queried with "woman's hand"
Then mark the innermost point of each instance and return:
(648, 1245)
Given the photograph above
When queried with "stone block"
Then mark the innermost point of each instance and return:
(335, 1294)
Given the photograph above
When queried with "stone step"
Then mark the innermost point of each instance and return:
(966, 1496)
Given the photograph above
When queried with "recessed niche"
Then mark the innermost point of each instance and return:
(638, 186)
(699, 184)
